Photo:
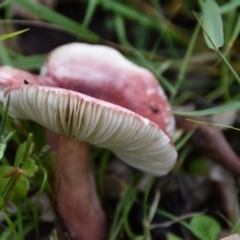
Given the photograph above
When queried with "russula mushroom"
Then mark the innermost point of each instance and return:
(102, 72)
(11, 76)
(82, 120)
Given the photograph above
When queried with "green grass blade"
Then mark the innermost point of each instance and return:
(183, 223)
(9, 35)
(5, 235)
(19, 220)
(145, 207)
(11, 226)
(4, 4)
(6, 60)
(229, 6)
(185, 62)
(29, 62)
(92, 4)
(119, 8)
(210, 111)
(120, 29)
(5, 117)
(236, 31)
(101, 172)
(142, 19)
(59, 19)
(123, 208)
(218, 52)
(126, 210)
(236, 228)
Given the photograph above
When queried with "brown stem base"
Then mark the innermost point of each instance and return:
(77, 199)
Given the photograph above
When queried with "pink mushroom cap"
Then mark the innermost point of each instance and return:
(104, 73)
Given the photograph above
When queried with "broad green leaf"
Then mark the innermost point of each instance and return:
(8, 186)
(206, 227)
(29, 168)
(212, 24)
(20, 153)
(3, 171)
(3, 142)
(24, 150)
(21, 188)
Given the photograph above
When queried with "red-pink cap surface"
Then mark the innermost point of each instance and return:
(10, 76)
(103, 73)
(134, 139)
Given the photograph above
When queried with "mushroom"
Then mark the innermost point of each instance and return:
(11, 76)
(104, 73)
(81, 120)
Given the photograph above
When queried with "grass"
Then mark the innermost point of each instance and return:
(165, 38)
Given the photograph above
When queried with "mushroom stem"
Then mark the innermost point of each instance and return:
(77, 200)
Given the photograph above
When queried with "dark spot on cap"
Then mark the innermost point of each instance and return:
(154, 108)
(25, 81)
